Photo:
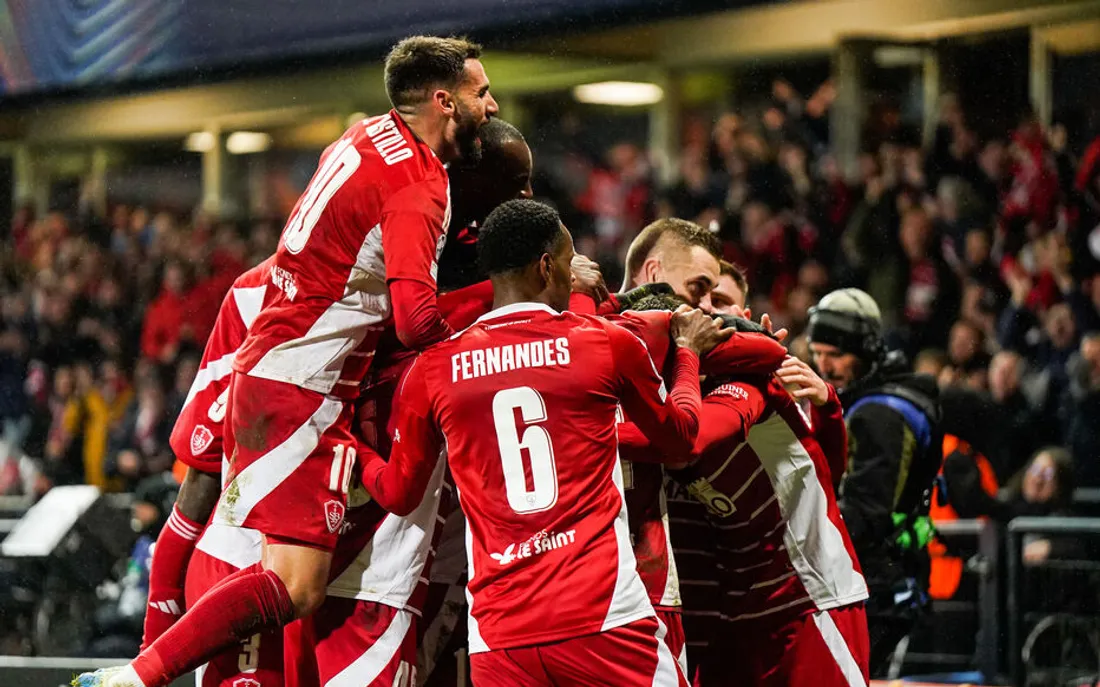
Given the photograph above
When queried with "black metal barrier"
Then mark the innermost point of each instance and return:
(978, 543)
(22, 671)
(1071, 581)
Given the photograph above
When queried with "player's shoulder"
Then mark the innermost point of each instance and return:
(393, 153)
(256, 276)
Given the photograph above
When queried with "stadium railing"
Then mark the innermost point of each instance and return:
(1055, 601)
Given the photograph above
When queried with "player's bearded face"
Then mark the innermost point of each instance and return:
(467, 125)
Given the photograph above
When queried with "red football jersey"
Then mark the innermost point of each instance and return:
(768, 489)
(376, 210)
(197, 435)
(525, 402)
(644, 479)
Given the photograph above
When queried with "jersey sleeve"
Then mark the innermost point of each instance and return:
(729, 412)
(744, 353)
(398, 485)
(671, 427)
(412, 236)
(832, 435)
(462, 307)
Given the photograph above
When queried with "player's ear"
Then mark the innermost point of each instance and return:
(651, 271)
(546, 268)
(445, 101)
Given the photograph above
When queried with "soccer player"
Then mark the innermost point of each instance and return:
(366, 630)
(358, 252)
(503, 173)
(790, 592)
(686, 257)
(555, 596)
(731, 293)
(678, 253)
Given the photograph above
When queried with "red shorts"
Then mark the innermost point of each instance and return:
(271, 659)
(633, 654)
(675, 639)
(291, 458)
(363, 643)
(827, 648)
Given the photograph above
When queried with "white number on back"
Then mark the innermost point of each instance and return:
(343, 461)
(544, 476)
(337, 168)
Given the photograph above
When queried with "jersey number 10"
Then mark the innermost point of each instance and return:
(340, 164)
(543, 493)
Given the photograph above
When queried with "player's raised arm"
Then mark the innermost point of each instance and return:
(398, 485)
(671, 426)
(412, 236)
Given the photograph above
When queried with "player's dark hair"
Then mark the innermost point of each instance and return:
(682, 231)
(419, 64)
(659, 301)
(494, 136)
(517, 234)
(737, 274)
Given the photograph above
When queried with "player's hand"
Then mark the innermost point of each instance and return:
(766, 323)
(588, 279)
(695, 330)
(806, 383)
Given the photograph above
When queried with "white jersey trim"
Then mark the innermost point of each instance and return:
(814, 544)
(389, 568)
(629, 600)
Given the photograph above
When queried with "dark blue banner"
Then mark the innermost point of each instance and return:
(53, 44)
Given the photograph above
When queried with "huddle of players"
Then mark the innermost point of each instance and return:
(324, 518)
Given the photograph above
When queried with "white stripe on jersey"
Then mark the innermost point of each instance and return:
(215, 370)
(671, 594)
(839, 648)
(629, 601)
(368, 666)
(388, 569)
(237, 546)
(813, 543)
(669, 671)
(249, 302)
(315, 360)
(264, 475)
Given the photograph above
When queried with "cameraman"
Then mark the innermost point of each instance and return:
(895, 450)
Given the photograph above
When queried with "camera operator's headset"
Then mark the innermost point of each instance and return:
(856, 329)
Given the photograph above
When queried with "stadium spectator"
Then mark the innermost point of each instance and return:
(1081, 408)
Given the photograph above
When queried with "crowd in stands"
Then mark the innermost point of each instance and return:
(982, 248)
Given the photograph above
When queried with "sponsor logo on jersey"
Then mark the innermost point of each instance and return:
(734, 390)
(540, 543)
(246, 682)
(716, 502)
(201, 438)
(334, 515)
(284, 281)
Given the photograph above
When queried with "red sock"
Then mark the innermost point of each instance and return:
(229, 613)
(171, 554)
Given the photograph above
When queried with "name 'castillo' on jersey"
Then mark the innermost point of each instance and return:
(780, 542)
(526, 403)
(377, 209)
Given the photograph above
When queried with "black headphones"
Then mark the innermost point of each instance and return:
(847, 331)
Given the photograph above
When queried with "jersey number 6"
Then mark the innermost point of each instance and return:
(340, 164)
(543, 493)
